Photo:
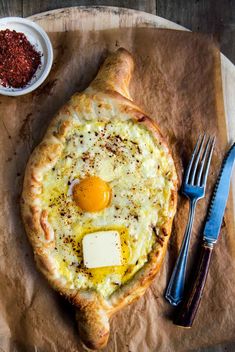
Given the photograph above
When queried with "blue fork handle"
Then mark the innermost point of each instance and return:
(175, 289)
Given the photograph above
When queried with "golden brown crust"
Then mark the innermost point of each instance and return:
(93, 311)
(115, 73)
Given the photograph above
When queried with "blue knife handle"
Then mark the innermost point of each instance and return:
(190, 306)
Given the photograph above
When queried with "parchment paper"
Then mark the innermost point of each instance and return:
(177, 81)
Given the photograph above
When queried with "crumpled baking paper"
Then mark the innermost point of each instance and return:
(177, 82)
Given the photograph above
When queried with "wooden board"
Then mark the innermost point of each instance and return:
(104, 18)
(100, 17)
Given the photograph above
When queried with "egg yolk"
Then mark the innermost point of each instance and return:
(92, 194)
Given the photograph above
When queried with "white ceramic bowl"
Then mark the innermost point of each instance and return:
(40, 40)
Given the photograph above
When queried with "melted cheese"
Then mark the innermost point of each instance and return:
(140, 176)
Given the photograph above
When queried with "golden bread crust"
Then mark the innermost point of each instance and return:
(93, 311)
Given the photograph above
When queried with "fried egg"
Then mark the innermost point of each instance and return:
(111, 175)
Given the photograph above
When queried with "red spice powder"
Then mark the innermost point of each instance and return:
(18, 59)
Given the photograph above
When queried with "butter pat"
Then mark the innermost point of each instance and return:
(101, 249)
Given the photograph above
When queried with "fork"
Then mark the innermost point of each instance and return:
(194, 187)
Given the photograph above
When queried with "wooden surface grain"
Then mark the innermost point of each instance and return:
(211, 16)
(216, 17)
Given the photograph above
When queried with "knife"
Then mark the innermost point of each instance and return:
(211, 232)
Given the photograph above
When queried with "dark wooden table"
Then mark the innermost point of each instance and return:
(216, 17)
(211, 16)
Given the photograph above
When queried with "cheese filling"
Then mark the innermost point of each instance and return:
(139, 174)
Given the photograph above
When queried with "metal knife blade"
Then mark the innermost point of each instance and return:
(219, 199)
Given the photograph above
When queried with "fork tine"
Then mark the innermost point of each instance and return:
(187, 173)
(192, 177)
(199, 173)
(204, 178)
